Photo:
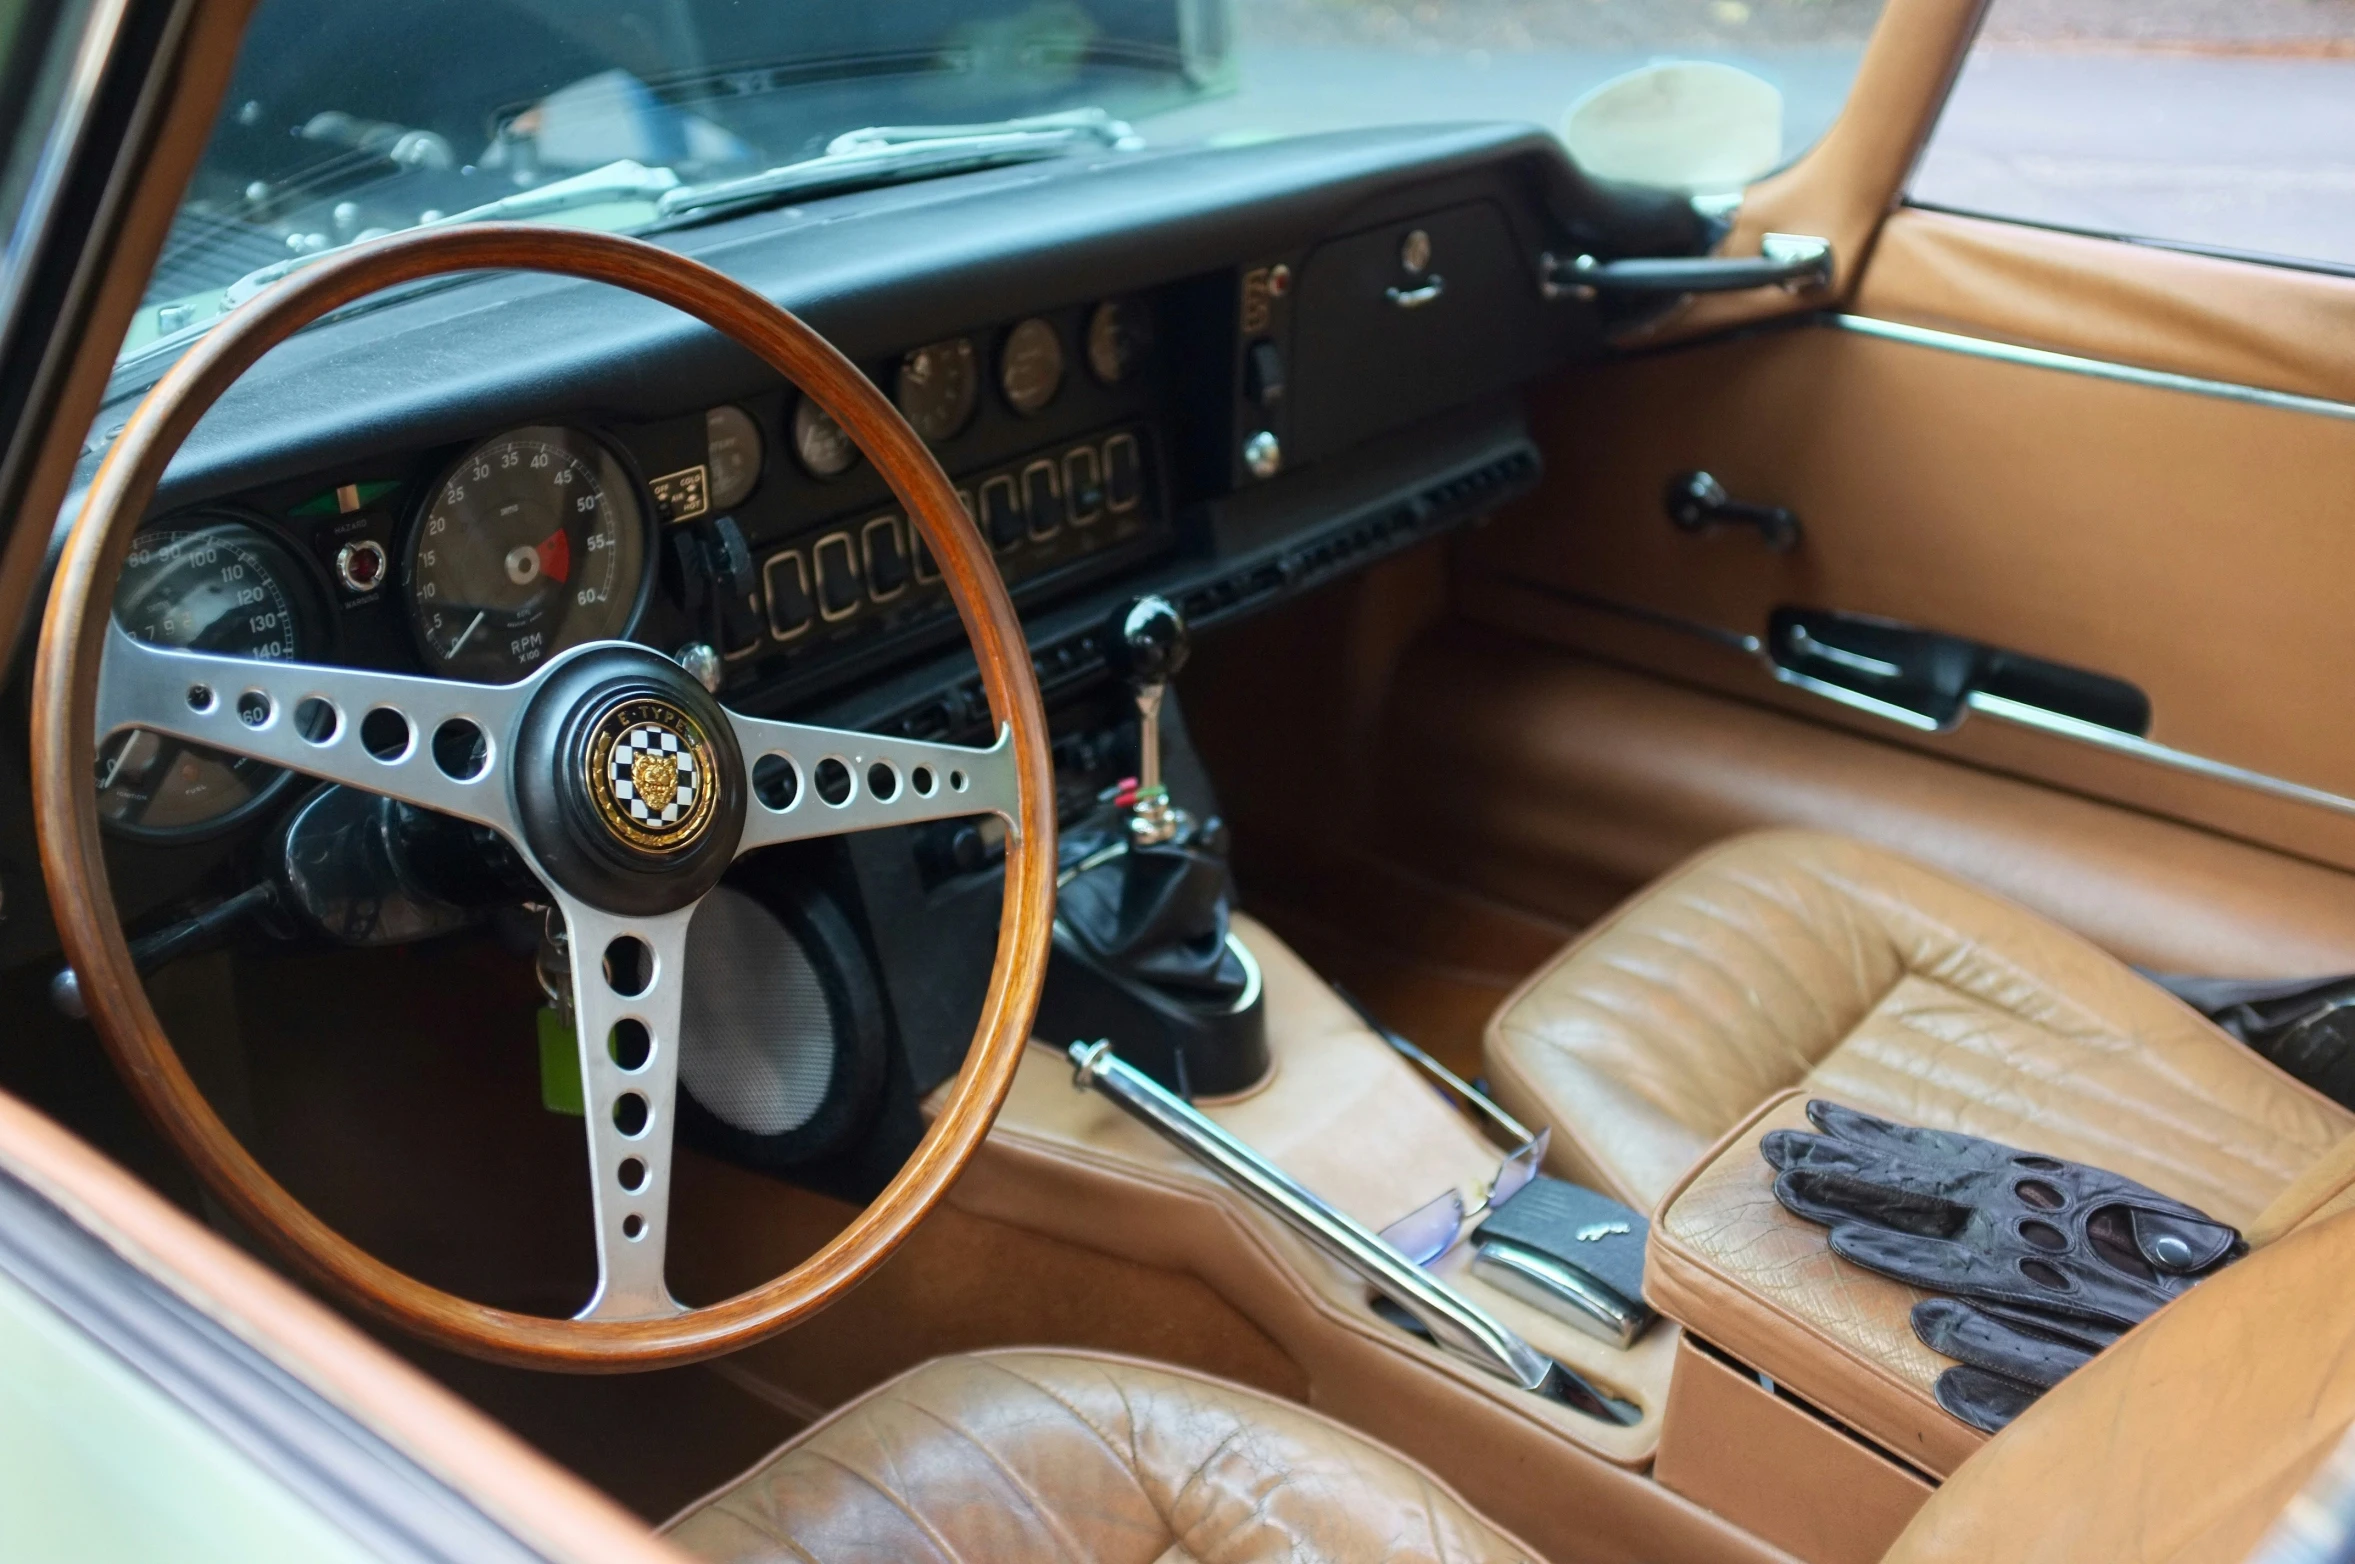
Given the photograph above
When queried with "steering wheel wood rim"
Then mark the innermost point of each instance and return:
(66, 690)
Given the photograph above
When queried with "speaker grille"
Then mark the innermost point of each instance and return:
(756, 1034)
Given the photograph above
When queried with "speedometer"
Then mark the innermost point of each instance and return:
(218, 586)
(533, 542)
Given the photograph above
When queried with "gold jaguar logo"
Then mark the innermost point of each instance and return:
(655, 778)
(652, 775)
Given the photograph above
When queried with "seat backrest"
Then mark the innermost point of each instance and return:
(2180, 1444)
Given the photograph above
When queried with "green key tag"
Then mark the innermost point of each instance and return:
(560, 1065)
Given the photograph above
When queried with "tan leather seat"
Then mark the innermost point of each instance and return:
(2180, 1445)
(1795, 958)
(1028, 1455)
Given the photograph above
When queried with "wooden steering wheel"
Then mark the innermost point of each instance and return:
(569, 749)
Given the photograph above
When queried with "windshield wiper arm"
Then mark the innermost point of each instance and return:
(890, 154)
(621, 180)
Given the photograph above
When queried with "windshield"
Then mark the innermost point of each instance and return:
(346, 121)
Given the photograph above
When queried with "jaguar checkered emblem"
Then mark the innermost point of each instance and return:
(652, 774)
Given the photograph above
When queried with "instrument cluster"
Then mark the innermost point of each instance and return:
(482, 562)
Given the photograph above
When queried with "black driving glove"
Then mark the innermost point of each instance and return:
(2042, 1262)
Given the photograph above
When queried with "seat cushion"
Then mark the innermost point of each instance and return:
(1797, 958)
(1022, 1455)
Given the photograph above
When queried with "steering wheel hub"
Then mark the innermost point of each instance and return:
(628, 781)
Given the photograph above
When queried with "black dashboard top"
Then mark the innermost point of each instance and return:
(1328, 333)
(874, 271)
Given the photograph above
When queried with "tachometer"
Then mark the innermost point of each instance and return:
(219, 586)
(534, 542)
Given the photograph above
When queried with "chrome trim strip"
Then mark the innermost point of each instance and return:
(1889, 711)
(2094, 733)
(2093, 368)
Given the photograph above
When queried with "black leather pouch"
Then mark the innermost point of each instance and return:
(1571, 1251)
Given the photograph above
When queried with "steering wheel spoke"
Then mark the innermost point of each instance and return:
(428, 742)
(627, 977)
(809, 781)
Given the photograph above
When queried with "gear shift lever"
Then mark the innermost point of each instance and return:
(1147, 645)
(1143, 951)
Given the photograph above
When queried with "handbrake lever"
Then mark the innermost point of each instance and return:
(1454, 1322)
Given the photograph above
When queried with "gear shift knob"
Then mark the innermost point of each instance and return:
(1148, 641)
(1146, 644)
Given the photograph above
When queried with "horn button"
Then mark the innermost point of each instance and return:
(628, 782)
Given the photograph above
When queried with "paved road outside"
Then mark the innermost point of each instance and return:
(2230, 125)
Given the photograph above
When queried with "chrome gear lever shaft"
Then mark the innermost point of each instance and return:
(1147, 644)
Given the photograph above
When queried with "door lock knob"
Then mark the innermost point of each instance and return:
(1696, 502)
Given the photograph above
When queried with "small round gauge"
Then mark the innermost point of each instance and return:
(732, 448)
(1120, 334)
(1030, 366)
(218, 586)
(820, 443)
(938, 387)
(534, 542)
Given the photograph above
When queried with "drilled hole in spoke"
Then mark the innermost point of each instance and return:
(958, 782)
(629, 966)
(923, 781)
(775, 783)
(882, 782)
(631, 1044)
(385, 734)
(200, 697)
(633, 1226)
(632, 1173)
(462, 750)
(316, 719)
(255, 709)
(630, 1114)
(833, 781)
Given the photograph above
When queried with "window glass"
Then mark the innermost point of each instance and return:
(2215, 124)
(1328, 64)
(621, 114)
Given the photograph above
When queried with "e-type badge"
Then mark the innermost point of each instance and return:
(652, 774)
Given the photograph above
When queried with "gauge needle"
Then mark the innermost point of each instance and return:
(464, 635)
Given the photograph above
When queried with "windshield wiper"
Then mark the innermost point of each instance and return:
(891, 154)
(622, 180)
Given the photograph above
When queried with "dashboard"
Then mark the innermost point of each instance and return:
(1228, 375)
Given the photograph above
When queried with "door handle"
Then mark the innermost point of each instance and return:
(1929, 680)
(1795, 262)
(1416, 298)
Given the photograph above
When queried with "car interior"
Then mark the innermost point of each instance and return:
(1018, 842)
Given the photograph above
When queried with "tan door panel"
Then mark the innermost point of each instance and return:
(2276, 327)
(2200, 547)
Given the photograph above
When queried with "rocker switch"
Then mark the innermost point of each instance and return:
(1263, 374)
